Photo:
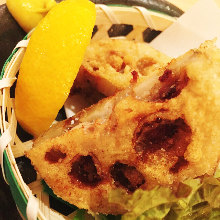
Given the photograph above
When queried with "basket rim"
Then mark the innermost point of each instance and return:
(149, 9)
(17, 193)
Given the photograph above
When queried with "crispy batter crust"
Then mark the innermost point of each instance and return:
(158, 132)
(108, 65)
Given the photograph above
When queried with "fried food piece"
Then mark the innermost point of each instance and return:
(111, 65)
(159, 132)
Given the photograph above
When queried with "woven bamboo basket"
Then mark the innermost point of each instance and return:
(32, 201)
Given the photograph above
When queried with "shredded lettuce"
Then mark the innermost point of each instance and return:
(141, 201)
(217, 173)
(194, 200)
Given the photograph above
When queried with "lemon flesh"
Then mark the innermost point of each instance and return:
(51, 63)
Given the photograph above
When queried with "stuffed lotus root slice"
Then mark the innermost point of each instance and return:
(171, 85)
(144, 63)
(167, 141)
(54, 155)
(169, 136)
(181, 162)
(84, 171)
(71, 123)
(126, 176)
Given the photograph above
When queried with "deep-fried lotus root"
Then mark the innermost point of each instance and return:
(111, 65)
(158, 132)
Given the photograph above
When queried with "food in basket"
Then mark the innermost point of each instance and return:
(144, 143)
(51, 63)
(111, 65)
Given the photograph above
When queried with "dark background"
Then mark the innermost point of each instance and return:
(10, 34)
(8, 210)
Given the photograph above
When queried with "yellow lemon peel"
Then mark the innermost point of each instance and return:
(51, 63)
(28, 13)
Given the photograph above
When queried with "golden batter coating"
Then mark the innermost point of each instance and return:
(111, 65)
(159, 132)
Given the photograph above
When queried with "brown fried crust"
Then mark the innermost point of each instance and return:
(109, 65)
(136, 141)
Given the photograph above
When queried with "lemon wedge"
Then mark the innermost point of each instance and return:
(51, 63)
(28, 13)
